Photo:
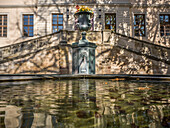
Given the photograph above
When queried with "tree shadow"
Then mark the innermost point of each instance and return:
(41, 55)
(131, 56)
(46, 50)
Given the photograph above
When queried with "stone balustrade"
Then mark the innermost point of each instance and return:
(115, 54)
(31, 46)
(147, 49)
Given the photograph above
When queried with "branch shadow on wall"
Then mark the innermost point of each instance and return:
(122, 59)
(42, 55)
(37, 59)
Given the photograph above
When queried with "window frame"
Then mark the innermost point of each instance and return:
(144, 19)
(2, 26)
(110, 22)
(164, 25)
(28, 14)
(57, 22)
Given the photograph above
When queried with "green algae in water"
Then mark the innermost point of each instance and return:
(85, 104)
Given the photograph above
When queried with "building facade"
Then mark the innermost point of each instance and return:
(132, 36)
(147, 20)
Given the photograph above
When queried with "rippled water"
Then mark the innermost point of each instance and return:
(84, 103)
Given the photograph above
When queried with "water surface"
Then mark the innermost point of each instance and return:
(84, 104)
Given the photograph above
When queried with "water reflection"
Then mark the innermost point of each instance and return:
(85, 103)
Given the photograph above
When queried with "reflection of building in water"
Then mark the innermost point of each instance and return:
(124, 109)
(12, 116)
(39, 120)
(83, 89)
(85, 102)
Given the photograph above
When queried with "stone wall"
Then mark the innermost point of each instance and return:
(152, 21)
(128, 56)
(115, 54)
(124, 10)
(43, 55)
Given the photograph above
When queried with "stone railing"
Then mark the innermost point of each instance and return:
(143, 48)
(53, 54)
(45, 55)
(20, 50)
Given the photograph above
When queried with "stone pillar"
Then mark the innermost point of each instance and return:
(83, 58)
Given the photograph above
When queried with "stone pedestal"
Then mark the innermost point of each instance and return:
(83, 57)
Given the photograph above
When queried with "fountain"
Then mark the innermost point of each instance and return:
(83, 51)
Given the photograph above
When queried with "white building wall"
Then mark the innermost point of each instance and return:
(43, 9)
(14, 25)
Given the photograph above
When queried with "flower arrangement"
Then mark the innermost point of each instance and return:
(83, 9)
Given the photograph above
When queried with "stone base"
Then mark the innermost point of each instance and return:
(83, 58)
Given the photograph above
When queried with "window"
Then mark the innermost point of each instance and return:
(110, 21)
(139, 25)
(57, 22)
(28, 25)
(3, 25)
(165, 25)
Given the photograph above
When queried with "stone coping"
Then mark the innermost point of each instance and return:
(86, 44)
(119, 4)
(116, 77)
(143, 41)
(29, 40)
(105, 30)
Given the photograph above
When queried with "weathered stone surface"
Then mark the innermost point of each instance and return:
(119, 55)
(124, 10)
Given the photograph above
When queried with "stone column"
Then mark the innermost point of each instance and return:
(83, 58)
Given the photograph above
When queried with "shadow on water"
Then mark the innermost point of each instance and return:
(85, 103)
